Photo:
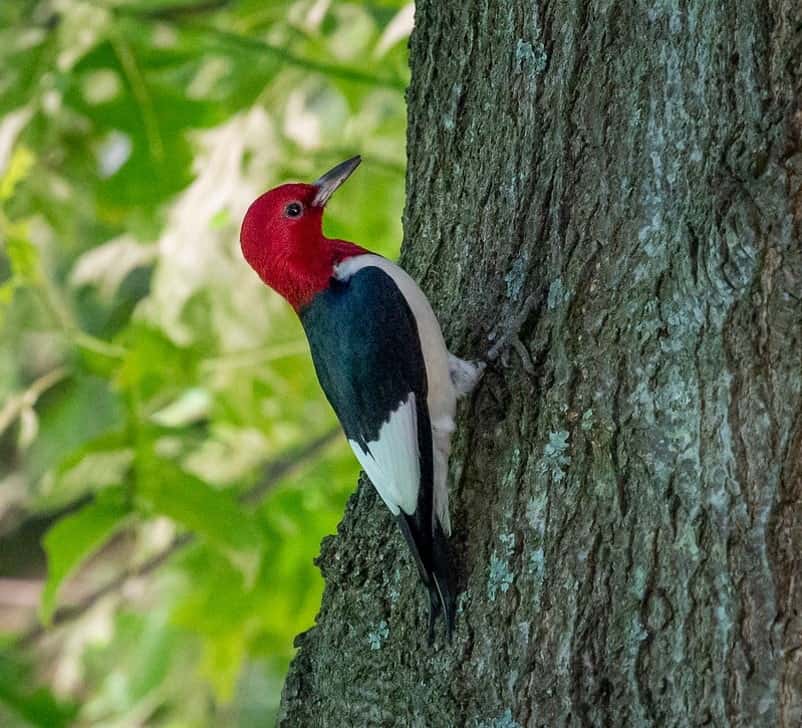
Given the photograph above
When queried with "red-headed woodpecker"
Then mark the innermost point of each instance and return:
(380, 358)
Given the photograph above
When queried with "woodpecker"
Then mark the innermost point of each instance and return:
(380, 358)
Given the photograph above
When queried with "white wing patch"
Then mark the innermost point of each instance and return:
(393, 462)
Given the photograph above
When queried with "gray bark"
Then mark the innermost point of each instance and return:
(628, 514)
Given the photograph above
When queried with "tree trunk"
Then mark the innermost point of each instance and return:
(627, 494)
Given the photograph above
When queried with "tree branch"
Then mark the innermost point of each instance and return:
(16, 404)
(327, 69)
(180, 10)
(253, 44)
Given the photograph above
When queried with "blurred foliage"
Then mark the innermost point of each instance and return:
(160, 487)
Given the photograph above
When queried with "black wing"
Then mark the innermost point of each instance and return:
(368, 358)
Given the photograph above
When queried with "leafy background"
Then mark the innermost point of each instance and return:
(168, 465)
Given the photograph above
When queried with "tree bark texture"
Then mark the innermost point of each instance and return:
(627, 493)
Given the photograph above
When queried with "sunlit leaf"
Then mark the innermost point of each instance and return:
(18, 167)
(24, 258)
(75, 538)
(397, 29)
(191, 406)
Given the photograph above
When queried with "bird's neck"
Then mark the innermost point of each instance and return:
(299, 282)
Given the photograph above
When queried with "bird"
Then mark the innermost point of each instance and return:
(380, 358)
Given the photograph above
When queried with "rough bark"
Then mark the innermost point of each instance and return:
(628, 514)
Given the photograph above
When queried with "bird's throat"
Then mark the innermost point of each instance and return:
(300, 279)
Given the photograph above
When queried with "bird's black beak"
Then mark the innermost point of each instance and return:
(333, 179)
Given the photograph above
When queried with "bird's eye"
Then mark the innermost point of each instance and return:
(294, 209)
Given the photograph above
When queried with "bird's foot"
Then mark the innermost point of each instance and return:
(465, 375)
(510, 339)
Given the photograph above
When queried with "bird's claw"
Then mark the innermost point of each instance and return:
(510, 339)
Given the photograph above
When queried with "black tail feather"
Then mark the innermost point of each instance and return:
(441, 576)
(434, 612)
(410, 531)
(432, 559)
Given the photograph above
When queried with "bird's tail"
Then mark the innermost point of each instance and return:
(433, 561)
(441, 579)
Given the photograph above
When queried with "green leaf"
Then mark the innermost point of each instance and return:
(75, 538)
(148, 647)
(35, 705)
(107, 442)
(154, 365)
(6, 296)
(80, 409)
(213, 514)
(21, 162)
(24, 258)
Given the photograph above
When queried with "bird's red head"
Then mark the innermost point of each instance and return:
(282, 237)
